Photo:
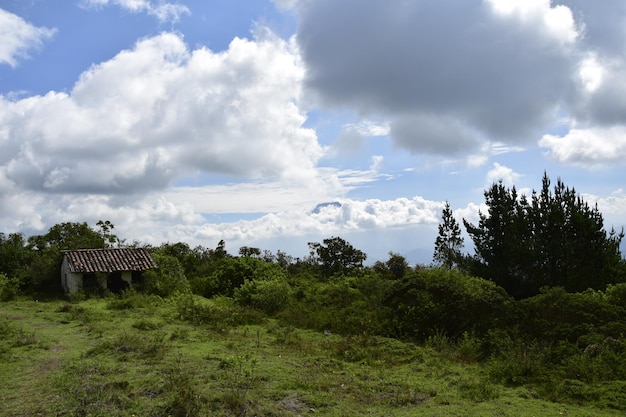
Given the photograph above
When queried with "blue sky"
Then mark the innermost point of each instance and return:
(197, 121)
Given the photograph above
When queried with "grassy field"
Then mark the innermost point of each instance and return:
(145, 357)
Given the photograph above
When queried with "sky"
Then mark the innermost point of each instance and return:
(274, 123)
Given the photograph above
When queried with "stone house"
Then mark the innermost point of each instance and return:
(113, 268)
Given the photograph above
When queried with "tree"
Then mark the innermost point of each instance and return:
(394, 268)
(496, 239)
(335, 255)
(449, 242)
(106, 228)
(70, 236)
(555, 239)
(15, 256)
(251, 252)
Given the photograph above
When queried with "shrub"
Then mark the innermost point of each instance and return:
(269, 296)
(431, 301)
(335, 306)
(557, 315)
(219, 313)
(8, 288)
(168, 279)
(616, 294)
(232, 273)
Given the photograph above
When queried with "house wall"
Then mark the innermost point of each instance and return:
(69, 281)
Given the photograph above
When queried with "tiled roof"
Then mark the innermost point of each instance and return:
(109, 260)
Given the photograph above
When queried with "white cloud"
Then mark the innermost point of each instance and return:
(369, 128)
(17, 37)
(556, 20)
(591, 73)
(588, 147)
(163, 11)
(502, 173)
(160, 112)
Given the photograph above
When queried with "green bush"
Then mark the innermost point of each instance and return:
(269, 296)
(556, 315)
(219, 313)
(431, 301)
(616, 294)
(8, 288)
(336, 306)
(167, 280)
(230, 274)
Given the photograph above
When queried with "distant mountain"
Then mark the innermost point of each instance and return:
(320, 206)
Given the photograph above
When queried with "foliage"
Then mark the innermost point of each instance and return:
(105, 232)
(168, 279)
(335, 255)
(220, 313)
(429, 301)
(15, 256)
(555, 239)
(131, 299)
(230, 273)
(69, 236)
(449, 241)
(350, 305)
(556, 315)
(394, 268)
(269, 295)
(8, 288)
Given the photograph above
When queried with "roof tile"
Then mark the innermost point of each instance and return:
(109, 260)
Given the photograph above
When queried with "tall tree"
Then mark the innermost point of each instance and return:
(555, 239)
(449, 242)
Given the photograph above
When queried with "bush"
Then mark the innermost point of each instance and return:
(8, 288)
(219, 313)
(168, 279)
(334, 306)
(232, 273)
(557, 315)
(269, 296)
(431, 301)
(616, 294)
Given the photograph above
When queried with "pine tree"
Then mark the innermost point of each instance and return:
(449, 241)
(555, 239)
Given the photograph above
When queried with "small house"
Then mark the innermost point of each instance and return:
(113, 268)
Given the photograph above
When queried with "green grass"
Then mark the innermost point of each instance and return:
(112, 358)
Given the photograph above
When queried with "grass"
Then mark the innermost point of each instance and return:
(108, 358)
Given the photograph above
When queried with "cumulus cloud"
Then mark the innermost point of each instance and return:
(159, 112)
(18, 37)
(348, 216)
(163, 11)
(588, 147)
(502, 173)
